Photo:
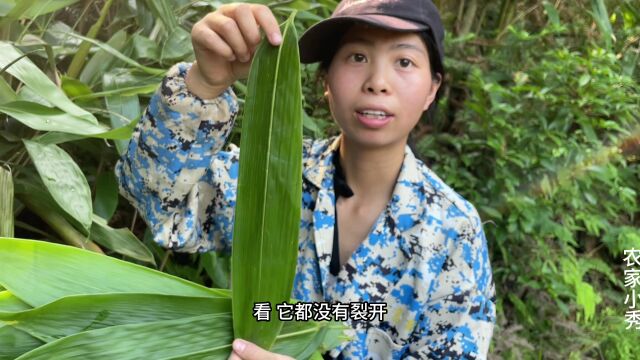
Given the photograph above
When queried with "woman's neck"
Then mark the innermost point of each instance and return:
(371, 172)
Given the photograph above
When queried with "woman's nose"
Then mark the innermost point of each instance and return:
(376, 82)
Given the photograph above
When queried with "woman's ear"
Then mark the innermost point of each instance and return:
(435, 86)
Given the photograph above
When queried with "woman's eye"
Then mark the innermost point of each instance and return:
(358, 58)
(405, 63)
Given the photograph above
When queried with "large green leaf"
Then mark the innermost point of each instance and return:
(156, 340)
(9, 302)
(123, 108)
(14, 342)
(6, 202)
(301, 340)
(64, 180)
(39, 272)
(106, 200)
(217, 267)
(6, 92)
(198, 337)
(122, 241)
(74, 314)
(40, 117)
(31, 192)
(43, 118)
(177, 45)
(120, 56)
(25, 71)
(267, 218)
(32, 8)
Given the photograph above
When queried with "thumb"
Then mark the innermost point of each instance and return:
(249, 351)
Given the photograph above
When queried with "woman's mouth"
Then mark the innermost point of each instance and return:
(374, 119)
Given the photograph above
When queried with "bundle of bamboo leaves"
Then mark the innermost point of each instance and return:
(68, 303)
(61, 302)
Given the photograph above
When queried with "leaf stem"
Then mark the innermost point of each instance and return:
(79, 59)
(59, 224)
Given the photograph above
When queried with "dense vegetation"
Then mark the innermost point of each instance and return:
(539, 127)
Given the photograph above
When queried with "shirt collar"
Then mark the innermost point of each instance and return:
(407, 191)
(319, 168)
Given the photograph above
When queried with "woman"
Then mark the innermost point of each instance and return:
(378, 226)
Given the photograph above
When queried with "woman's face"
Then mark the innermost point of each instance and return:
(378, 84)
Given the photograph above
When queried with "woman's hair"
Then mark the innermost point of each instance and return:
(437, 67)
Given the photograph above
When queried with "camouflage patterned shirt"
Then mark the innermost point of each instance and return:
(426, 257)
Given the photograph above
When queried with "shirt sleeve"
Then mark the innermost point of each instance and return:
(174, 171)
(459, 316)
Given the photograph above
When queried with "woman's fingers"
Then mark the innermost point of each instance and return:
(268, 23)
(224, 42)
(239, 26)
(206, 39)
(248, 25)
(228, 30)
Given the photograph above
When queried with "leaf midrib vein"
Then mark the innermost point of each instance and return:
(268, 154)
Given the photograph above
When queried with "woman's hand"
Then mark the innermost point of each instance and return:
(244, 350)
(224, 42)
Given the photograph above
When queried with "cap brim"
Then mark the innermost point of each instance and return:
(326, 34)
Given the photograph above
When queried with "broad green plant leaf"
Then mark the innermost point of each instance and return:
(43, 118)
(301, 340)
(32, 77)
(106, 200)
(46, 7)
(15, 342)
(73, 314)
(31, 9)
(6, 92)
(198, 337)
(9, 302)
(156, 340)
(177, 45)
(217, 267)
(91, 306)
(122, 107)
(122, 241)
(120, 133)
(73, 87)
(144, 48)
(117, 54)
(64, 180)
(267, 217)
(39, 272)
(6, 202)
(33, 195)
(122, 91)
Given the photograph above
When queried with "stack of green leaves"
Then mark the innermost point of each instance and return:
(62, 302)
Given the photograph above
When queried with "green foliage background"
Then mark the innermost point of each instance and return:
(539, 127)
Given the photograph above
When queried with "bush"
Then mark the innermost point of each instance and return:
(543, 146)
